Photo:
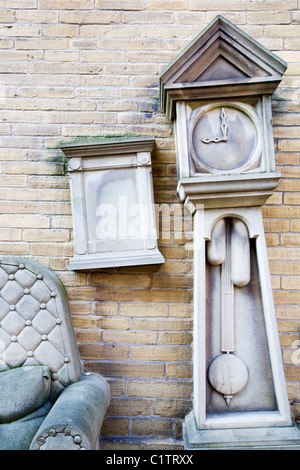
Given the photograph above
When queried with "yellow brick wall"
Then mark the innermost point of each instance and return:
(88, 68)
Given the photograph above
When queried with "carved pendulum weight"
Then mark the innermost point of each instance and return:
(229, 247)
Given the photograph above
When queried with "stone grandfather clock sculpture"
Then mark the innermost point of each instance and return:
(218, 92)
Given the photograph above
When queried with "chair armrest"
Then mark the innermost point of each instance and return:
(75, 420)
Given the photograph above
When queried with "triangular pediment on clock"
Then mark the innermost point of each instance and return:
(219, 62)
(220, 67)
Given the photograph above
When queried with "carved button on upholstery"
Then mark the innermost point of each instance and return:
(77, 439)
(14, 339)
(41, 441)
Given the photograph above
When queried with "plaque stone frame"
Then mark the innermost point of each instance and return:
(112, 203)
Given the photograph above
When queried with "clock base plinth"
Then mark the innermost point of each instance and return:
(264, 438)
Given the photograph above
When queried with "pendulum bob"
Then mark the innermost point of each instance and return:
(228, 375)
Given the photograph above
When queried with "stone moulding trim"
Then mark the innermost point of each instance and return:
(108, 146)
(212, 191)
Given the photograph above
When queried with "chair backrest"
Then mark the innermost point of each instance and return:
(35, 322)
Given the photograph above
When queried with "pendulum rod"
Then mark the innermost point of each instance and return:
(227, 299)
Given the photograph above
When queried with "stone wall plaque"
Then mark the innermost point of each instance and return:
(112, 203)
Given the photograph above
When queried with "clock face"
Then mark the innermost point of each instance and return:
(225, 138)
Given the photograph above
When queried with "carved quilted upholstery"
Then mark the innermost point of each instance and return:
(35, 325)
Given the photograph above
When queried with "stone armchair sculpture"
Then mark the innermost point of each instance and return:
(47, 402)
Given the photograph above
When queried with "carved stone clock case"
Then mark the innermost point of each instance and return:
(227, 171)
(218, 91)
